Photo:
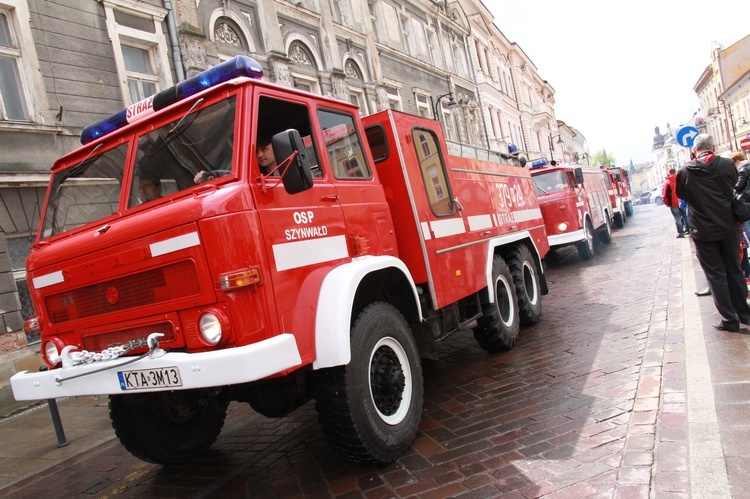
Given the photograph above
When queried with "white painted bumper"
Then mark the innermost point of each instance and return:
(567, 238)
(197, 370)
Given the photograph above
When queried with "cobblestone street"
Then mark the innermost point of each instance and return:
(622, 390)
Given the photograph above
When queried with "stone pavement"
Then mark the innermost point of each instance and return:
(623, 390)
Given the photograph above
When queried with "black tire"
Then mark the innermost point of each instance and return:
(629, 208)
(619, 220)
(658, 201)
(605, 233)
(586, 247)
(168, 427)
(370, 409)
(497, 329)
(526, 280)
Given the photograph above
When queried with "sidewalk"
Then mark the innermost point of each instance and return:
(683, 434)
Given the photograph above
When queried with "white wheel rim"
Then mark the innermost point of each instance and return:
(508, 301)
(534, 295)
(403, 408)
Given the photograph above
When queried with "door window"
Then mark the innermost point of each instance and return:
(433, 172)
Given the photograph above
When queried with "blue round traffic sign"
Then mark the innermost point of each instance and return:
(686, 135)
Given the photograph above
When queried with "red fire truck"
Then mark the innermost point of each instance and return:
(174, 275)
(575, 205)
(618, 187)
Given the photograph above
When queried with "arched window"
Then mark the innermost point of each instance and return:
(305, 67)
(229, 37)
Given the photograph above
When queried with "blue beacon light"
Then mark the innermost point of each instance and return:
(538, 163)
(227, 70)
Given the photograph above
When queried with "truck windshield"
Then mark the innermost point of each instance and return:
(549, 182)
(192, 149)
(86, 192)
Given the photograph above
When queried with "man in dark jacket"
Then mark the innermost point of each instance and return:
(707, 184)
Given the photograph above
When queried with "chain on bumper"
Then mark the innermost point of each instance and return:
(72, 359)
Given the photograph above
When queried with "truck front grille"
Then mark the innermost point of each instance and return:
(178, 280)
(99, 342)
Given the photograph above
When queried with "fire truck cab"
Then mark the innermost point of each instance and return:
(181, 264)
(575, 205)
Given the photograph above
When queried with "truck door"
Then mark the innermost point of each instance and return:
(302, 233)
(442, 224)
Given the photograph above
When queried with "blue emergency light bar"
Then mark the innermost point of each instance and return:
(227, 70)
(538, 163)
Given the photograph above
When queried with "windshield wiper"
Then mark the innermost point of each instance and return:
(173, 133)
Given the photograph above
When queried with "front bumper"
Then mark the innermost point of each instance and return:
(567, 238)
(197, 370)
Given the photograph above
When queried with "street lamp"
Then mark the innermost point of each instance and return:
(436, 103)
(551, 149)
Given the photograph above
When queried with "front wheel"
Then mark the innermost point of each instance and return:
(526, 281)
(370, 409)
(605, 233)
(619, 220)
(629, 208)
(168, 427)
(497, 329)
(586, 247)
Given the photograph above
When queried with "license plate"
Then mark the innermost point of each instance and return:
(139, 379)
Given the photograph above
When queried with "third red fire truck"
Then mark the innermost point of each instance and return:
(174, 274)
(575, 205)
(618, 187)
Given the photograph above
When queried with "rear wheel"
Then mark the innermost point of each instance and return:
(168, 427)
(526, 281)
(629, 208)
(370, 409)
(497, 329)
(586, 247)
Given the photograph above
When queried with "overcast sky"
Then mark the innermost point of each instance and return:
(621, 68)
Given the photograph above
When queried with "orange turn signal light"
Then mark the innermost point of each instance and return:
(239, 279)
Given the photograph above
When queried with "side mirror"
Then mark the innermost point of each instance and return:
(522, 161)
(618, 176)
(579, 176)
(297, 175)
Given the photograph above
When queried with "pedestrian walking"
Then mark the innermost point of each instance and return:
(707, 184)
(669, 195)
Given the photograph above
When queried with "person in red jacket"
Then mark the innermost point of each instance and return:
(669, 195)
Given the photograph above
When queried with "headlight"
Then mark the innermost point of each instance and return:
(210, 328)
(562, 227)
(51, 353)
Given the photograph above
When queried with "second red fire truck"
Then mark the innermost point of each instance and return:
(575, 205)
(174, 273)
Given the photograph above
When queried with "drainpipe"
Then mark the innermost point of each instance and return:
(176, 53)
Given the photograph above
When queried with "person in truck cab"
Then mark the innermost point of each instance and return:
(265, 156)
(149, 189)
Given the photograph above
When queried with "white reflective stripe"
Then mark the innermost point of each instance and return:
(444, 228)
(426, 230)
(175, 244)
(579, 203)
(48, 280)
(526, 215)
(479, 222)
(309, 252)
